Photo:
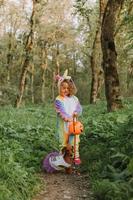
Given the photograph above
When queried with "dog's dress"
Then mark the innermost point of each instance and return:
(54, 162)
(65, 107)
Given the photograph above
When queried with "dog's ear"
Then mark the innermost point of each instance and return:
(63, 150)
(70, 147)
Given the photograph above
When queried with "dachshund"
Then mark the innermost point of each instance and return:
(56, 161)
(68, 157)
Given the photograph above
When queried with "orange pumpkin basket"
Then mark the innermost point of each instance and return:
(75, 127)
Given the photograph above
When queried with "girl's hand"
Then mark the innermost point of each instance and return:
(68, 119)
(75, 114)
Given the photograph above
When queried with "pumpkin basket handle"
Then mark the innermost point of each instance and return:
(75, 126)
(74, 120)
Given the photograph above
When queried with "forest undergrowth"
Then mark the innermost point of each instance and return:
(107, 151)
(27, 135)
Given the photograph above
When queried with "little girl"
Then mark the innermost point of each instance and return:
(67, 106)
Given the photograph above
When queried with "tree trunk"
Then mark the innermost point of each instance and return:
(100, 83)
(112, 85)
(96, 58)
(95, 67)
(32, 84)
(53, 86)
(9, 57)
(28, 57)
(56, 69)
(130, 75)
(57, 59)
(102, 6)
(44, 67)
(74, 65)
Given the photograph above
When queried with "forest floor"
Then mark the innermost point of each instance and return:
(61, 186)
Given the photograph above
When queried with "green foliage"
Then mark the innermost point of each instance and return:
(130, 166)
(26, 136)
(107, 190)
(107, 151)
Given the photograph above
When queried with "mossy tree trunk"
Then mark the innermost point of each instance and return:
(9, 58)
(130, 75)
(96, 58)
(44, 66)
(28, 56)
(112, 85)
(32, 83)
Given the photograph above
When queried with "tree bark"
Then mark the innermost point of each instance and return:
(28, 57)
(53, 86)
(102, 6)
(96, 58)
(32, 83)
(130, 75)
(112, 85)
(95, 67)
(43, 68)
(9, 58)
(57, 59)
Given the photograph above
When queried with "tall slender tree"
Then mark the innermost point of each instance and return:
(96, 58)
(28, 56)
(44, 65)
(112, 85)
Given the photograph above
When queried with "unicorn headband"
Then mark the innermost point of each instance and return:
(65, 76)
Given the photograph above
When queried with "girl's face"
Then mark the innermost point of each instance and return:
(64, 89)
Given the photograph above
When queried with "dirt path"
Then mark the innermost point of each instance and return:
(60, 186)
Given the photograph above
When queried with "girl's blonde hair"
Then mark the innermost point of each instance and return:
(72, 86)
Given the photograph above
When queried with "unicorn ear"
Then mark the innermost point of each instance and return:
(65, 73)
(65, 76)
(57, 77)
